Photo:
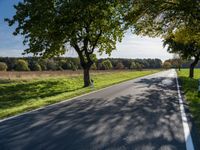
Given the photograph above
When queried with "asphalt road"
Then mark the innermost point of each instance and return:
(141, 114)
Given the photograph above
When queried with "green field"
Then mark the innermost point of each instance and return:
(17, 96)
(190, 87)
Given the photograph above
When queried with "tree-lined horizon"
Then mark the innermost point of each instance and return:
(49, 26)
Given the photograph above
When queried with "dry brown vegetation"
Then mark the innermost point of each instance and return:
(13, 75)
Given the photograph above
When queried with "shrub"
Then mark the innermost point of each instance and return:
(74, 67)
(37, 67)
(3, 66)
(34, 66)
(93, 67)
(21, 65)
(51, 65)
(106, 64)
(119, 66)
(167, 65)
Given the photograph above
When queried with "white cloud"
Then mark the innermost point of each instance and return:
(134, 46)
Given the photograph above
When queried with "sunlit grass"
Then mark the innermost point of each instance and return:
(17, 96)
(190, 87)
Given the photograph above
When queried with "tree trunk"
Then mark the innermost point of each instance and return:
(191, 75)
(86, 76)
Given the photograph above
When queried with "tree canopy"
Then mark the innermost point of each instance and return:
(50, 27)
(185, 42)
(158, 17)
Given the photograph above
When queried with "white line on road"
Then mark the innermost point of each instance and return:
(188, 138)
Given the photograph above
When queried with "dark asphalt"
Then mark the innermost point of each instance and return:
(141, 114)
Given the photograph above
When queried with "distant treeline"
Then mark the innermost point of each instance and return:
(63, 63)
(175, 63)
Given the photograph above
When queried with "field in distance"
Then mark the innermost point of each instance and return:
(24, 91)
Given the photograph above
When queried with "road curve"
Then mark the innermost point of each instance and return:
(140, 114)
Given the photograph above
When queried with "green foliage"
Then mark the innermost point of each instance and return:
(184, 41)
(74, 67)
(106, 64)
(94, 66)
(84, 25)
(51, 65)
(63, 63)
(35, 66)
(3, 66)
(133, 65)
(21, 65)
(24, 95)
(167, 65)
(136, 65)
(159, 17)
(119, 66)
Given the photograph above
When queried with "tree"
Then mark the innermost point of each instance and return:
(35, 66)
(119, 66)
(185, 42)
(106, 64)
(94, 66)
(51, 65)
(167, 65)
(3, 66)
(21, 65)
(177, 61)
(84, 25)
(133, 65)
(159, 17)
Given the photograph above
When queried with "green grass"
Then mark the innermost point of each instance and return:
(190, 87)
(17, 96)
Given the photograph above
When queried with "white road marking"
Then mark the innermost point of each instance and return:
(186, 129)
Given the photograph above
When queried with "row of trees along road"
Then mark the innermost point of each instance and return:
(50, 27)
(63, 63)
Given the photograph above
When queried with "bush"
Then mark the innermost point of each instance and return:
(51, 65)
(74, 67)
(167, 65)
(106, 64)
(37, 67)
(93, 67)
(21, 65)
(3, 66)
(34, 66)
(136, 65)
(119, 66)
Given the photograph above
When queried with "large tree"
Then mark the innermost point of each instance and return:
(186, 43)
(50, 27)
(159, 17)
(163, 17)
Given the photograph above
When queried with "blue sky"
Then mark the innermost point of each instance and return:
(132, 46)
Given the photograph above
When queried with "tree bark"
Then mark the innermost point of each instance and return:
(86, 76)
(191, 75)
(179, 68)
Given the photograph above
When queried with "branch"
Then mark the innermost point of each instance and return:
(95, 42)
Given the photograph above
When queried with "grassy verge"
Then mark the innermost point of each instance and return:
(17, 96)
(190, 87)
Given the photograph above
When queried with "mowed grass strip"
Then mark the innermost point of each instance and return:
(17, 96)
(190, 87)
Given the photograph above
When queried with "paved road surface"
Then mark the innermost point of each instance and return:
(141, 114)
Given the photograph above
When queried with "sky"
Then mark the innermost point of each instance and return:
(132, 46)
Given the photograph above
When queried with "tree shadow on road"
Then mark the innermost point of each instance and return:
(148, 120)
